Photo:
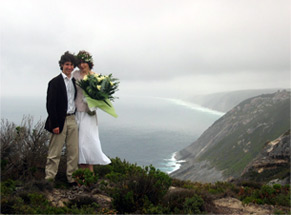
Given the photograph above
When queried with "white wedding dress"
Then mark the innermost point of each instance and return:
(90, 151)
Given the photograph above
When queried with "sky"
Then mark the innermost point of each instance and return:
(168, 48)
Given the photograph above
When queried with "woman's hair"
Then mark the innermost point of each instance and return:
(85, 57)
(67, 57)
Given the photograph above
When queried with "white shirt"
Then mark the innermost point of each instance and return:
(70, 94)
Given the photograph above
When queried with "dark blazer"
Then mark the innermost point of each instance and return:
(57, 103)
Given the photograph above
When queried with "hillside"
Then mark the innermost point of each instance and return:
(273, 163)
(234, 140)
(225, 101)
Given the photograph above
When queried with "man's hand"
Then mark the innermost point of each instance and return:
(56, 130)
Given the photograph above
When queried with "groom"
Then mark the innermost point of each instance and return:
(61, 94)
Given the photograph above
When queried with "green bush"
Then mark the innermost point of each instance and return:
(277, 187)
(117, 170)
(36, 203)
(150, 208)
(193, 205)
(102, 170)
(221, 188)
(183, 201)
(272, 195)
(123, 200)
(134, 185)
(85, 177)
(23, 149)
(7, 187)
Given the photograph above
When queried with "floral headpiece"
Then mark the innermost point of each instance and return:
(85, 56)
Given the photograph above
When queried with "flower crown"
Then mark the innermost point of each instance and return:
(85, 56)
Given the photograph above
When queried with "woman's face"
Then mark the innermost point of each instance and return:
(84, 66)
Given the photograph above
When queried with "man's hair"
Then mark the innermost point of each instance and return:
(67, 57)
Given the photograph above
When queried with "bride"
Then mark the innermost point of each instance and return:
(90, 151)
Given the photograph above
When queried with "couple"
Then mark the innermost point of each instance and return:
(70, 121)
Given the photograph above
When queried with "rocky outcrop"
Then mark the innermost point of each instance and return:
(234, 206)
(234, 140)
(78, 195)
(273, 163)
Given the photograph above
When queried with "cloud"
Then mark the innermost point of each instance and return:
(175, 46)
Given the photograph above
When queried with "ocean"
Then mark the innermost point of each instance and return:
(148, 130)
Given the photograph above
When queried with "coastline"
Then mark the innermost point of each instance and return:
(173, 162)
(195, 106)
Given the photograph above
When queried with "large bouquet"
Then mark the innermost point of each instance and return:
(98, 91)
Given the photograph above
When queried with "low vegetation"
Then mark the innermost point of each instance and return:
(131, 188)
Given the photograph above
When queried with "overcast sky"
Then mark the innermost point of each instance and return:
(156, 47)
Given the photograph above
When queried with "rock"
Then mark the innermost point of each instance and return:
(102, 198)
(278, 181)
(234, 206)
(59, 197)
(272, 164)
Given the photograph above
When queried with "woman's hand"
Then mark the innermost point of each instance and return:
(91, 113)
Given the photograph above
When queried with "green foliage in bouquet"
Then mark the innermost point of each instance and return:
(99, 87)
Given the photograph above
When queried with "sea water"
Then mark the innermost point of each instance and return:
(148, 130)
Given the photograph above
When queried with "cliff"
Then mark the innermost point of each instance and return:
(273, 163)
(234, 140)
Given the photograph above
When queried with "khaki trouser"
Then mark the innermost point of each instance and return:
(69, 136)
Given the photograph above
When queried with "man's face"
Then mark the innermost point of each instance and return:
(68, 68)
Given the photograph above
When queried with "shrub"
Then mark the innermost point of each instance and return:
(273, 195)
(277, 187)
(222, 188)
(7, 187)
(193, 205)
(150, 208)
(102, 170)
(81, 201)
(36, 203)
(175, 201)
(23, 149)
(85, 177)
(135, 185)
(29, 203)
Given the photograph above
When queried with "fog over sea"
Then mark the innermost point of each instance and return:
(149, 130)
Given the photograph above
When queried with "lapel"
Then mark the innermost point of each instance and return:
(74, 83)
